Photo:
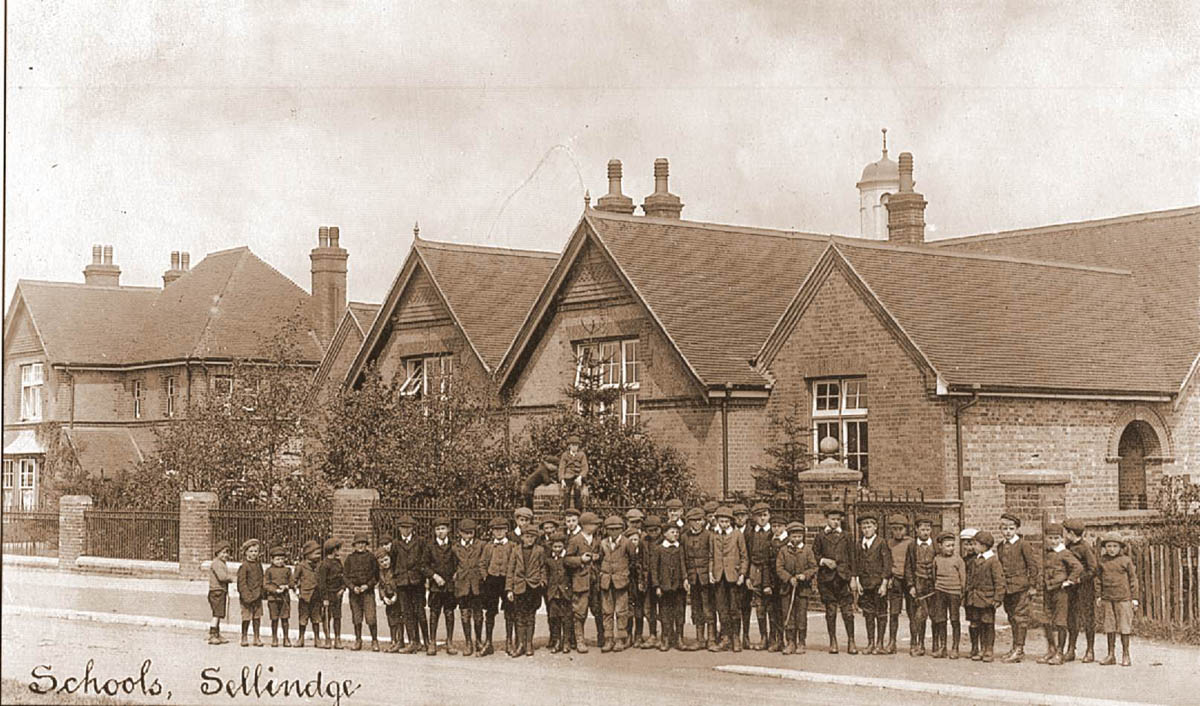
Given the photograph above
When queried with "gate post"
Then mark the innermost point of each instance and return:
(352, 514)
(72, 529)
(195, 533)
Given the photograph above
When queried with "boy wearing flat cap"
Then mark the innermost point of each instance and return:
(218, 591)
(1081, 598)
(918, 574)
(675, 515)
(558, 595)
(650, 544)
(1118, 586)
(984, 593)
(616, 560)
(727, 567)
(250, 589)
(362, 574)
(761, 582)
(1021, 573)
(697, 546)
(522, 523)
(278, 579)
(468, 584)
(669, 579)
(308, 599)
(583, 564)
(638, 578)
(331, 584)
(898, 598)
(1061, 570)
(410, 569)
(524, 583)
(442, 565)
(872, 566)
(834, 550)
(494, 561)
(949, 584)
(572, 470)
(796, 566)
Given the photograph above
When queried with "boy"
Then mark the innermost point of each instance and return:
(697, 545)
(675, 514)
(741, 523)
(918, 574)
(710, 515)
(218, 591)
(278, 579)
(634, 518)
(1081, 598)
(548, 527)
(984, 593)
(572, 469)
(582, 560)
(898, 597)
(834, 551)
(637, 587)
(391, 601)
(760, 582)
(1118, 586)
(1020, 581)
(1062, 570)
(308, 601)
(967, 539)
(558, 595)
(494, 561)
(949, 583)
(616, 558)
(796, 566)
(250, 589)
(468, 585)
(872, 566)
(570, 522)
(524, 582)
(727, 567)
(362, 573)
(331, 584)
(410, 568)
(522, 518)
(669, 578)
(650, 601)
(442, 565)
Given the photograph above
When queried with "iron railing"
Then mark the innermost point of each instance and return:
(289, 529)
(151, 535)
(31, 533)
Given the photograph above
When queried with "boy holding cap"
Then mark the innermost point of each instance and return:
(1021, 573)
(278, 579)
(898, 597)
(583, 562)
(728, 563)
(949, 583)
(985, 591)
(331, 583)
(468, 584)
(1081, 598)
(834, 551)
(572, 469)
(218, 591)
(410, 568)
(669, 578)
(796, 566)
(362, 574)
(1118, 586)
(1062, 570)
(918, 574)
(616, 558)
(442, 565)
(250, 589)
(872, 566)
(494, 561)
(308, 599)
(697, 545)
(761, 580)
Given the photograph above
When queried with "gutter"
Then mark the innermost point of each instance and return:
(725, 440)
(958, 444)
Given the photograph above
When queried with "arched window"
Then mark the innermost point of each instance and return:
(1137, 448)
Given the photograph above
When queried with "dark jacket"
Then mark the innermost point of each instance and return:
(696, 550)
(1059, 567)
(728, 558)
(277, 577)
(583, 575)
(1118, 578)
(526, 569)
(668, 569)
(761, 548)
(918, 562)
(361, 569)
(985, 582)
(646, 551)
(569, 467)
(838, 546)
(468, 576)
(410, 561)
(616, 560)
(443, 562)
(250, 582)
(1086, 555)
(558, 584)
(304, 578)
(494, 558)
(796, 561)
(872, 566)
(331, 581)
(1020, 564)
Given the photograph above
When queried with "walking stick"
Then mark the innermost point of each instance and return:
(795, 590)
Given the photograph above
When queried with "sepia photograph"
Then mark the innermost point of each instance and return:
(522, 352)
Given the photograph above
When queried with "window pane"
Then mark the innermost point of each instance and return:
(631, 408)
(28, 472)
(633, 373)
(612, 363)
(828, 396)
(825, 429)
(8, 474)
(856, 394)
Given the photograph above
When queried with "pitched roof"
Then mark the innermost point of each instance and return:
(716, 290)
(1161, 249)
(364, 314)
(110, 449)
(221, 309)
(351, 330)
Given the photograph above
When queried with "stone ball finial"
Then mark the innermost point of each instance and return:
(829, 446)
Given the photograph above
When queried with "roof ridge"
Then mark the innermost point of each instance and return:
(1182, 211)
(85, 285)
(226, 251)
(491, 249)
(208, 319)
(938, 252)
(354, 303)
(705, 225)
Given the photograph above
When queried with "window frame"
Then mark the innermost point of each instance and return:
(845, 416)
(31, 391)
(139, 392)
(615, 347)
(171, 391)
(444, 374)
(27, 493)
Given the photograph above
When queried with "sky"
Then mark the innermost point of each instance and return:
(200, 126)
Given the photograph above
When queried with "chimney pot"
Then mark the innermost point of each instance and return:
(328, 282)
(333, 236)
(906, 172)
(662, 203)
(102, 272)
(108, 253)
(614, 201)
(185, 261)
(174, 259)
(906, 208)
(97, 254)
(323, 237)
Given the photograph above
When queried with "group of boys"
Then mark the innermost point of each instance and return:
(641, 572)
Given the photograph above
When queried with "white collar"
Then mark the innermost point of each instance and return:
(407, 539)
(588, 537)
(725, 532)
(988, 554)
(517, 531)
(1059, 548)
(576, 530)
(1015, 538)
(500, 541)
(442, 542)
(829, 529)
(868, 543)
(797, 546)
(783, 536)
(670, 544)
(465, 543)
(925, 542)
(763, 528)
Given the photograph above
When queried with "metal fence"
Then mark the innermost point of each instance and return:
(150, 535)
(33, 533)
(289, 529)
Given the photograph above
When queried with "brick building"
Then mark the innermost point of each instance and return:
(105, 363)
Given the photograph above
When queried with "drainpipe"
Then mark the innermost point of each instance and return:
(725, 441)
(958, 443)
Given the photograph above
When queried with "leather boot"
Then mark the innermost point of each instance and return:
(790, 648)
(450, 635)
(470, 643)
(893, 628)
(1051, 645)
(737, 642)
(957, 636)
(848, 621)
(529, 649)
(831, 628)
(973, 631)
(300, 641)
(568, 629)
(553, 644)
(601, 637)
(1069, 653)
(1089, 656)
(1125, 660)
(1061, 635)
(1017, 652)
(508, 636)
(435, 617)
(580, 642)
(518, 641)
(488, 647)
(714, 641)
(880, 634)
(692, 646)
(762, 633)
(870, 648)
(939, 641)
(921, 639)
(801, 641)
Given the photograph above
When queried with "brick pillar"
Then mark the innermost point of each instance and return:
(195, 533)
(1036, 496)
(547, 502)
(828, 482)
(352, 514)
(72, 530)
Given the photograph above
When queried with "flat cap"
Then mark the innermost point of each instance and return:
(552, 521)
(523, 512)
(652, 521)
(943, 536)
(466, 525)
(634, 514)
(498, 523)
(674, 504)
(968, 533)
(250, 543)
(361, 538)
(406, 520)
(711, 506)
(694, 514)
(384, 540)
(633, 532)
(740, 509)
(571, 511)
(1110, 538)
(897, 519)
(1075, 525)
(985, 538)
(794, 527)
(221, 546)
(589, 518)
(1009, 516)
(277, 551)
(760, 506)
(573, 439)
(381, 554)
(332, 544)
(558, 536)
(613, 521)
(724, 511)
(868, 515)
(443, 520)
(833, 509)
(1053, 528)
(309, 547)
(924, 520)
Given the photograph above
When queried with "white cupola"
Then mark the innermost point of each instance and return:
(879, 181)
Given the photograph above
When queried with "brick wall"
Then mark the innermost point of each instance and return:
(195, 533)
(72, 530)
(352, 514)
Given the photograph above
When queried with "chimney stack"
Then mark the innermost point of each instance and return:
(179, 267)
(615, 201)
(662, 203)
(102, 272)
(906, 208)
(328, 282)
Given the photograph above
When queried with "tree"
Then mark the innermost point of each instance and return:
(790, 456)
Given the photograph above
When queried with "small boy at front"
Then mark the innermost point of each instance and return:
(442, 564)
(523, 584)
(668, 576)
(1021, 571)
(1118, 586)
(1062, 570)
(278, 580)
(250, 590)
(1081, 598)
(558, 595)
(304, 583)
(391, 601)
(362, 573)
(218, 591)
(949, 583)
(918, 574)
(468, 585)
(796, 566)
(331, 584)
(872, 567)
(985, 592)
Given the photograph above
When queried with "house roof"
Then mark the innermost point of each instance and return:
(221, 309)
(110, 449)
(1161, 249)
(364, 314)
(358, 316)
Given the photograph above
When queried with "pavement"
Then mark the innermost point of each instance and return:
(64, 620)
